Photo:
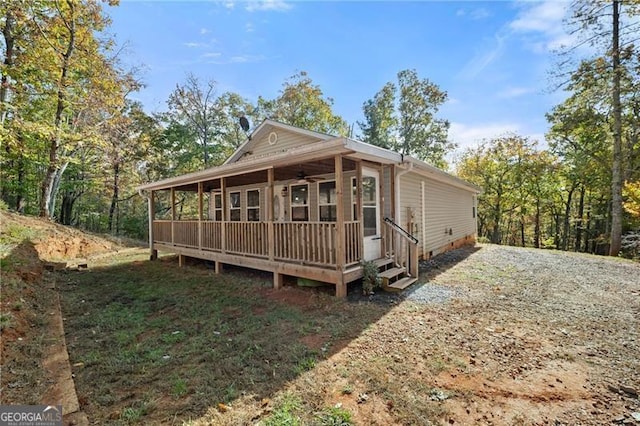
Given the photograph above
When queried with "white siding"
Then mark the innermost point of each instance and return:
(409, 187)
(285, 141)
(445, 208)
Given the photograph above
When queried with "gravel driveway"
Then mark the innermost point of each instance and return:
(535, 320)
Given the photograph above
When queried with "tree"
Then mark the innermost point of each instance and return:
(402, 117)
(302, 104)
(504, 167)
(381, 123)
(194, 105)
(591, 21)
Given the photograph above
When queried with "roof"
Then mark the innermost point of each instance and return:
(330, 146)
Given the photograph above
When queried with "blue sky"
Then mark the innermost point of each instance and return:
(492, 58)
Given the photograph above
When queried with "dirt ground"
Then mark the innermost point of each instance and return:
(496, 336)
(28, 302)
(491, 335)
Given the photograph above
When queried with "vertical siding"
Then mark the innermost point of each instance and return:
(447, 208)
(386, 191)
(286, 141)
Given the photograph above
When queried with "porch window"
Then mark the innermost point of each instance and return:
(234, 206)
(299, 202)
(253, 205)
(354, 197)
(327, 201)
(217, 207)
(369, 207)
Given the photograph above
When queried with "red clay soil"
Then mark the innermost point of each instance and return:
(33, 355)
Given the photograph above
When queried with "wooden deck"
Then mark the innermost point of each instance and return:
(304, 249)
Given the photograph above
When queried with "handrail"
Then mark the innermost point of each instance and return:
(401, 230)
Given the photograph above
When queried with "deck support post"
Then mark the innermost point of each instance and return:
(341, 288)
(278, 280)
(153, 254)
(217, 267)
(181, 259)
(359, 209)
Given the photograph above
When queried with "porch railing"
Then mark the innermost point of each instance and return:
(312, 243)
(401, 246)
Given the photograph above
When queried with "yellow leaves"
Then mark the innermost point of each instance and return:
(631, 193)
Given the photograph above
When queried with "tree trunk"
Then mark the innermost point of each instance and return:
(579, 225)
(66, 209)
(47, 187)
(115, 194)
(616, 170)
(536, 229)
(9, 41)
(567, 213)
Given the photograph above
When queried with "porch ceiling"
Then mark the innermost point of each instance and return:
(286, 173)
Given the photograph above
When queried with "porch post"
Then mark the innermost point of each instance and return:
(153, 254)
(341, 286)
(200, 209)
(359, 208)
(269, 206)
(223, 231)
(173, 212)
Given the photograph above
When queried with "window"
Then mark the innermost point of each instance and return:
(369, 205)
(327, 201)
(217, 206)
(234, 206)
(253, 205)
(354, 197)
(299, 202)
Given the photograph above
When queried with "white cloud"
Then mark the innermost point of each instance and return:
(474, 14)
(204, 31)
(545, 22)
(241, 59)
(514, 92)
(467, 136)
(267, 5)
(211, 55)
(248, 27)
(485, 58)
(229, 5)
(194, 44)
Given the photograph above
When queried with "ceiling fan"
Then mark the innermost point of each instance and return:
(302, 177)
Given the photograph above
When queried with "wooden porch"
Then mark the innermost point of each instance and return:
(330, 250)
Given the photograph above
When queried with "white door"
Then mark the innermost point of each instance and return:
(371, 214)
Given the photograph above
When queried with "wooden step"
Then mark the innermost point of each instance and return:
(401, 284)
(391, 273)
(383, 262)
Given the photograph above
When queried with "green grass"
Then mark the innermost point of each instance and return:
(153, 329)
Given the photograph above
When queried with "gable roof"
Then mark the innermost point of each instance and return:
(266, 126)
(331, 145)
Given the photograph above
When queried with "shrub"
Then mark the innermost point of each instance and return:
(370, 278)
(631, 245)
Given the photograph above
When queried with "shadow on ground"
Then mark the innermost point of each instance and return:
(150, 342)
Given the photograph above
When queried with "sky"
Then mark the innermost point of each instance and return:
(492, 58)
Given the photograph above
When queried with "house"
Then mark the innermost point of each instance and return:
(305, 204)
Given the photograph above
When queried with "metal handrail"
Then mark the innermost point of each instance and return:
(401, 230)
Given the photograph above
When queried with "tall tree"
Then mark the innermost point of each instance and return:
(402, 117)
(302, 103)
(380, 123)
(601, 23)
(194, 104)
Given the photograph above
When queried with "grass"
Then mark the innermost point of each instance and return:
(220, 336)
